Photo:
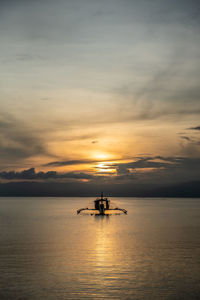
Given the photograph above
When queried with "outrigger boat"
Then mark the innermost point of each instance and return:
(102, 207)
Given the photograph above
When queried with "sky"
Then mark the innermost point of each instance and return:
(99, 94)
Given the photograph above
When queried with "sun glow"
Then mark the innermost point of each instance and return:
(101, 156)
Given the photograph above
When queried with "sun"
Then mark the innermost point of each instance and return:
(101, 156)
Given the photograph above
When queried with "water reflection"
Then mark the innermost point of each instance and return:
(104, 251)
(102, 218)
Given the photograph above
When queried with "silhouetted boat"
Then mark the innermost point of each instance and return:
(102, 207)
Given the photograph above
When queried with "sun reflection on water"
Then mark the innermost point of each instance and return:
(103, 242)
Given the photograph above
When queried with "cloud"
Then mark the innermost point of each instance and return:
(194, 128)
(18, 141)
(28, 57)
(155, 170)
(30, 174)
(186, 138)
(169, 87)
(73, 162)
(151, 54)
(148, 80)
(158, 169)
(68, 163)
(147, 168)
(142, 163)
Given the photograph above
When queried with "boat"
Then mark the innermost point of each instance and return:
(102, 207)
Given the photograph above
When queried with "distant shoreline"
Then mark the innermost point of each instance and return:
(74, 189)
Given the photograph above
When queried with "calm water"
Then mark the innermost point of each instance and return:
(48, 252)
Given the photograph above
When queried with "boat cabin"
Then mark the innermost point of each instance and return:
(99, 203)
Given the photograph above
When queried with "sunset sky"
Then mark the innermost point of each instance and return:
(100, 92)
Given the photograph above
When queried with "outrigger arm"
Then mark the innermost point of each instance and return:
(117, 208)
(121, 209)
(81, 209)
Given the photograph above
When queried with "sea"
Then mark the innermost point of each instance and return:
(47, 251)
